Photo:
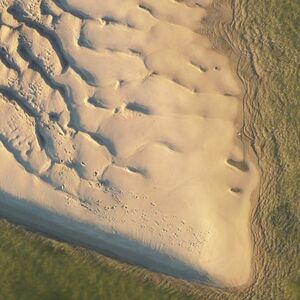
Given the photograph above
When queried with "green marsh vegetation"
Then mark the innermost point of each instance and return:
(265, 36)
(34, 267)
(268, 37)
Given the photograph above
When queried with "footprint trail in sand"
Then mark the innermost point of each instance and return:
(119, 115)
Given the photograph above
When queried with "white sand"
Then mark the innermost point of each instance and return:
(119, 130)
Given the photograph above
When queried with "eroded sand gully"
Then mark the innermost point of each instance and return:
(117, 115)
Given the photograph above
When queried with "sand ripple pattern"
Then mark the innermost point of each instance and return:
(120, 115)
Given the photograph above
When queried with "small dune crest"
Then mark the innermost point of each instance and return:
(123, 119)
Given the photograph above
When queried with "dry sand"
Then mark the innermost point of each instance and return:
(118, 130)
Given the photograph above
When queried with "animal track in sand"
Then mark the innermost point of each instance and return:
(126, 112)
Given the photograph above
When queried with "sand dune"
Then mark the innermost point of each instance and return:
(119, 130)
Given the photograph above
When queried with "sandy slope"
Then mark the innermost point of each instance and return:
(118, 130)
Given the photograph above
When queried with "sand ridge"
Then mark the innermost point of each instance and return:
(122, 117)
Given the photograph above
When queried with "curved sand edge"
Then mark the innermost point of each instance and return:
(217, 25)
(217, 232)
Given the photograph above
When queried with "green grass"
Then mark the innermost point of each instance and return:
(33, 267)
(271, 39)
(267, 33)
